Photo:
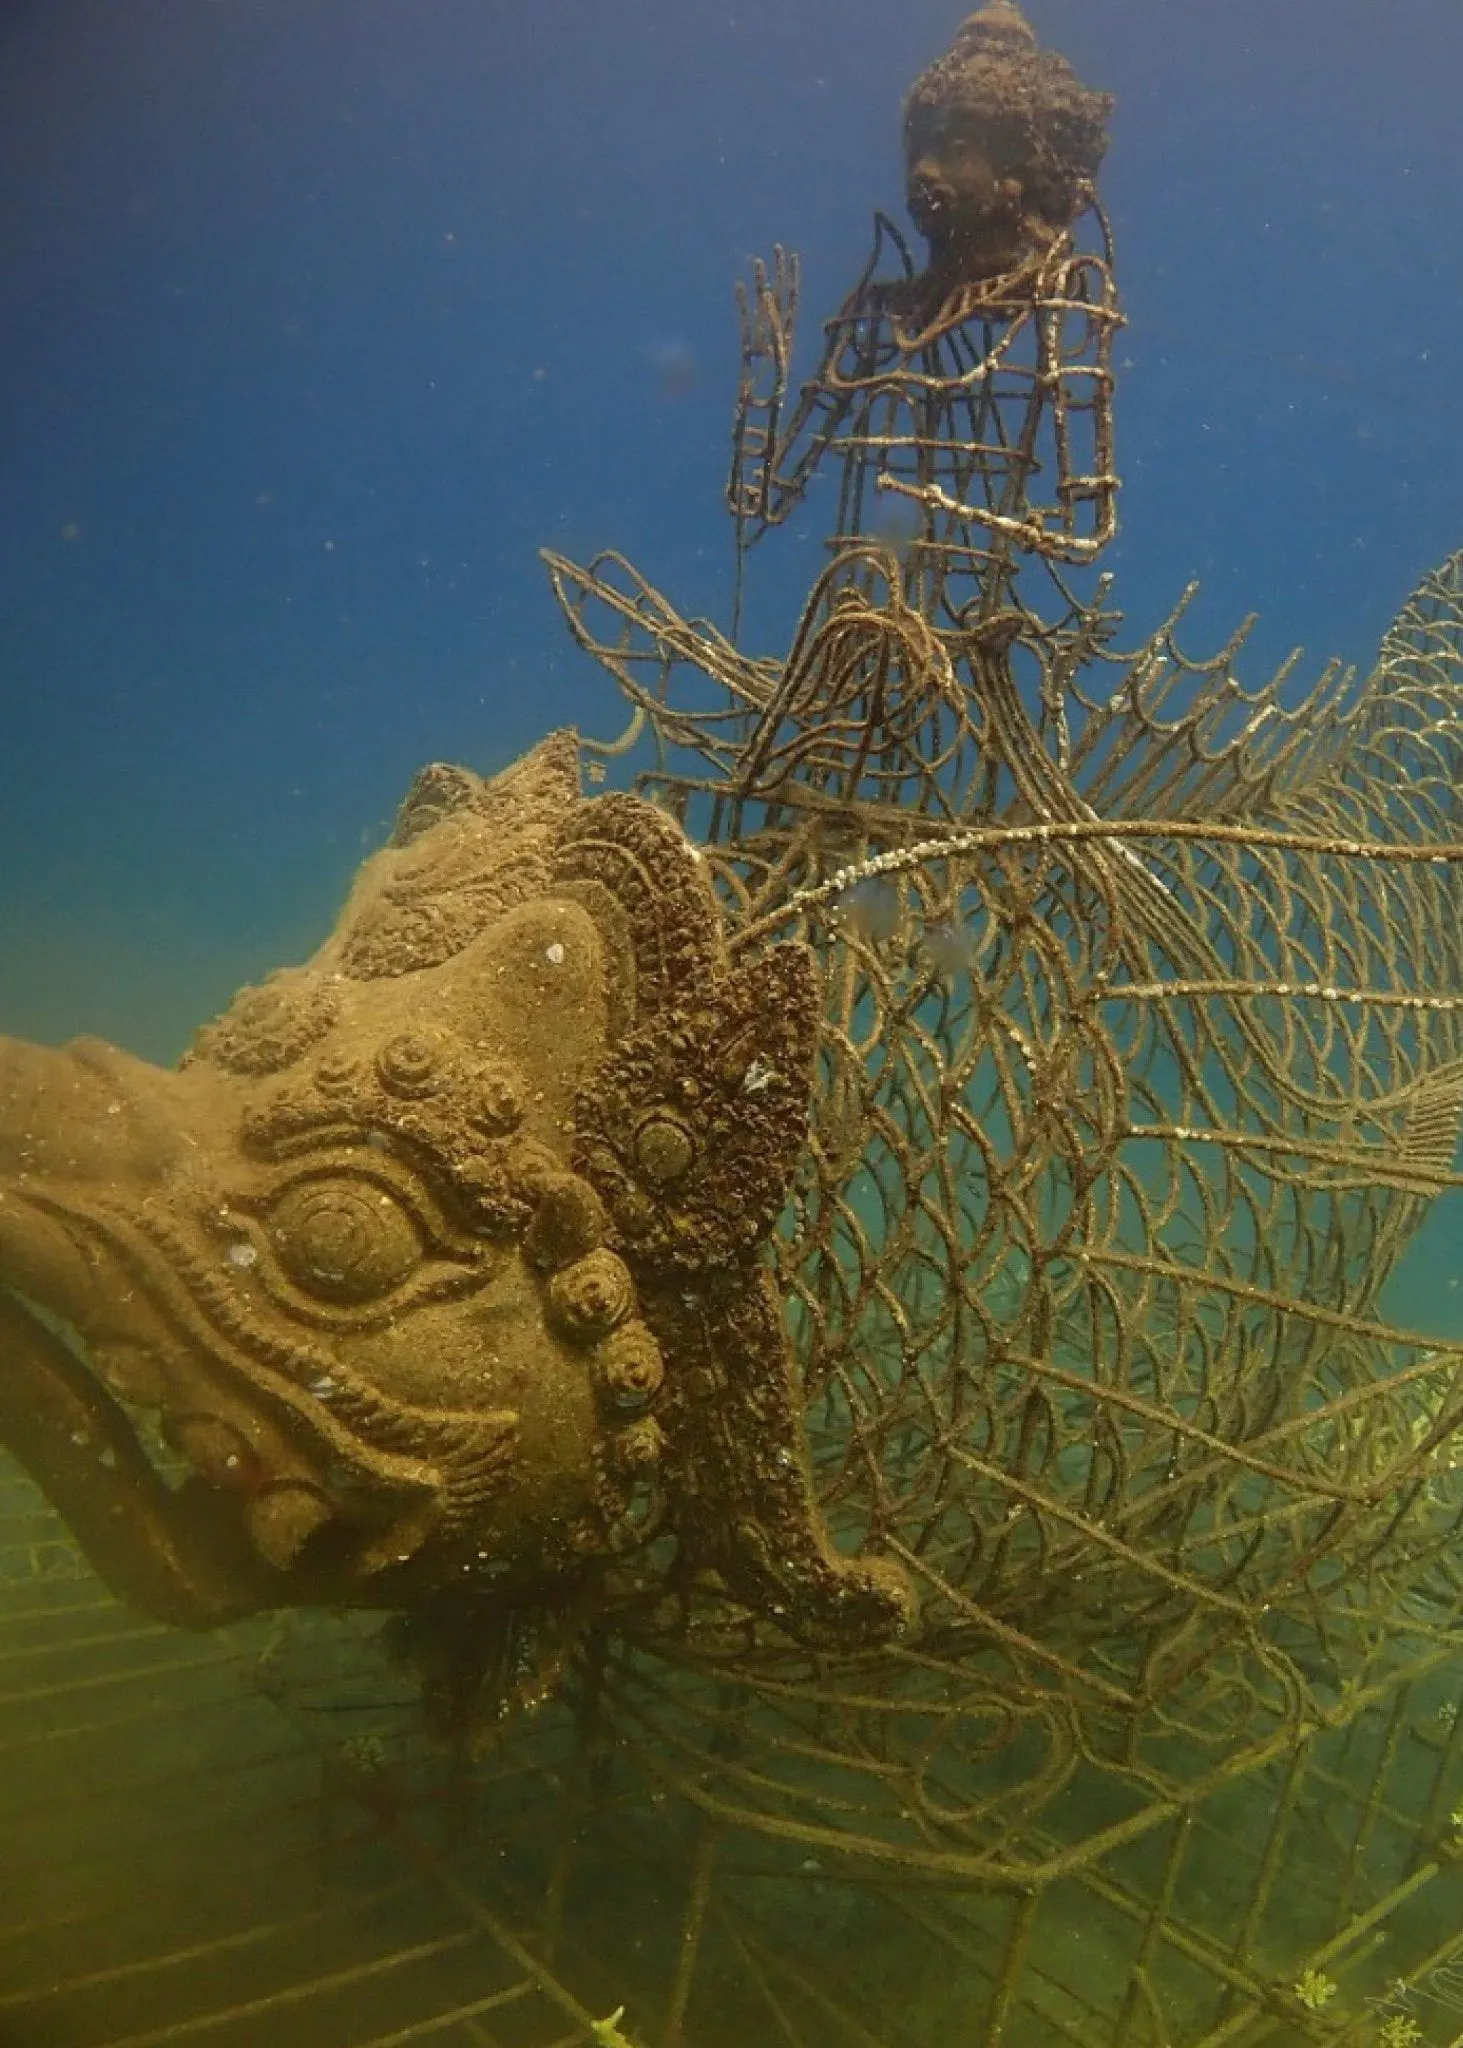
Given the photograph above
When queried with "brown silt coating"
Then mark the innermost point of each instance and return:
(437, 1265)
(1002, 142)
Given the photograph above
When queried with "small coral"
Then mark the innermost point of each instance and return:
(1314, 1989)
(364, 1754)
(1399, 2032)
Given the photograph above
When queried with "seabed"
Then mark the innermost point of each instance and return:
(243, 1835)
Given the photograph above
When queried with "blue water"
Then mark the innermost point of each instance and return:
(318, 317)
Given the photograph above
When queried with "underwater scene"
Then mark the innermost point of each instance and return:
(731, 1024)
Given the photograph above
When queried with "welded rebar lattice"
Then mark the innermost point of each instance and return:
(981, 427)
(1143, 1050)
(1142, 1054)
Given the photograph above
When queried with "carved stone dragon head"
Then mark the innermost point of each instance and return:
(436, 1263)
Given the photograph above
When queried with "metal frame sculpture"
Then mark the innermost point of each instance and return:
(1140, 1055)
(902, 1360)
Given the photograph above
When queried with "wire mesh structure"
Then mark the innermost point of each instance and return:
(970, 401)
(954, 420)
(1138, 1060)
(1122, 1122)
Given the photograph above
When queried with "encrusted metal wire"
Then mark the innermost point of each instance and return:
(983, 424)
(1142, 1056)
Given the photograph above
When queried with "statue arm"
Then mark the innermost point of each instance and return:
(767, 316)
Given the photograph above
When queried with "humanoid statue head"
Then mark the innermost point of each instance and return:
(1001, 141)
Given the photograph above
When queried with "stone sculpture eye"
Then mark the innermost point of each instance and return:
(344, 1239)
